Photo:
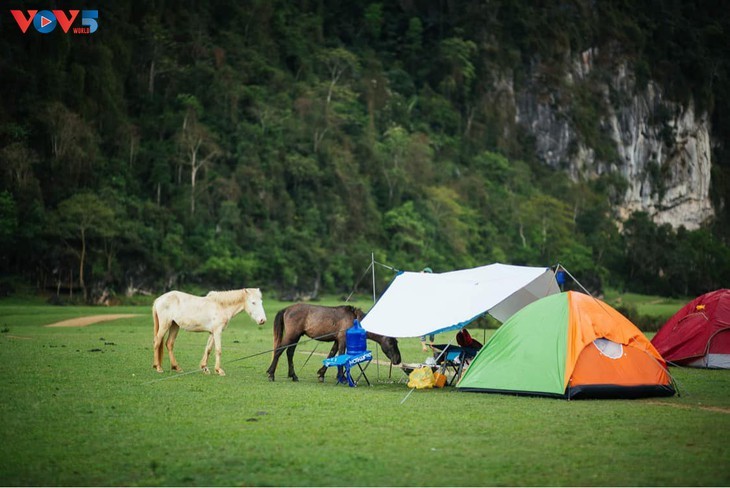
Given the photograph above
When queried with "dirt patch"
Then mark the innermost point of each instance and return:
(92, 319)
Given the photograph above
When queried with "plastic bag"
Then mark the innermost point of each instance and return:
(421, 378)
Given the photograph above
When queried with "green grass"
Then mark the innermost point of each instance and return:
(82, 406)
(648, 312)
(653, 306)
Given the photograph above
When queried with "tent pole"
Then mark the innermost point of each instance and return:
(372, 265)
(574, 279)
(358, 282)
(377, 356)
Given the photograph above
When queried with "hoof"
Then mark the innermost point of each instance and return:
(271, 378)
(294, 379)
(321, 379)
(177, 368)
(205, 369)
(220, 372)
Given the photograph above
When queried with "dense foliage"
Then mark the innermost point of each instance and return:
(278, 144)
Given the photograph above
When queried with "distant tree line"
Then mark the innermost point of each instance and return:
(277, 144)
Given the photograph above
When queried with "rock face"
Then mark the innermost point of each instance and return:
(592, 124)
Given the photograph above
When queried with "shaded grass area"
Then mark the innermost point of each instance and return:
(82, 406)
(654, 306)
(648, 312)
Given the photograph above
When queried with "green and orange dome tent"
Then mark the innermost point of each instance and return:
(569, 345)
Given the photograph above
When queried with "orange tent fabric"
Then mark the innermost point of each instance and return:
(590, 319)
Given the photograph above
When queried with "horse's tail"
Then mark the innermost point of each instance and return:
(278, 328)
(155, 320)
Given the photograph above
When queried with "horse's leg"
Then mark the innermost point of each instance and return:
(174, 329)
(206, 354)
(274, 362)
(290, 357)
(321, 371)
(278, 351)
(288, 341)
(341, 348)
(158, 345)
(217, 339)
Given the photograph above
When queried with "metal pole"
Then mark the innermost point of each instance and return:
(372, 264)
(377, 356)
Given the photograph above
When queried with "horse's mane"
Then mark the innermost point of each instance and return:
(228, 297)
(356, 312)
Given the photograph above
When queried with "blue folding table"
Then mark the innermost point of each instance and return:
(347, 361)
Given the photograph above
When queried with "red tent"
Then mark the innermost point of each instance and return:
(699, 334)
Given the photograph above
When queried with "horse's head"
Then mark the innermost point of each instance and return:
(389, 345)
(255, 305)
(390, 348)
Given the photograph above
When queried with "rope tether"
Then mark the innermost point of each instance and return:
(243, 358)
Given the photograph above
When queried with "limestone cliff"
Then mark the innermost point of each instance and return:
(591, 123)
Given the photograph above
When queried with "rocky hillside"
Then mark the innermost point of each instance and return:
(593, 124)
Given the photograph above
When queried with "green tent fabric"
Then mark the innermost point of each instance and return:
(525, 358)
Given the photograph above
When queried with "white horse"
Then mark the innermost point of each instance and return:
(211, 313)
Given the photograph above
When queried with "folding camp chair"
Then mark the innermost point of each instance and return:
(453, 359)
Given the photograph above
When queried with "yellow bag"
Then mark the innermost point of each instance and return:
(421, 378)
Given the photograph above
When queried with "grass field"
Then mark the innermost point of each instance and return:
(82, 406)
(654, 309)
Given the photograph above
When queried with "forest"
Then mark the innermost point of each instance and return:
(277, 144)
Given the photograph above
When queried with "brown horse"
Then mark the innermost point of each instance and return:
(327, 324)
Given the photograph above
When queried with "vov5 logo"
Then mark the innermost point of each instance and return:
(46, 21)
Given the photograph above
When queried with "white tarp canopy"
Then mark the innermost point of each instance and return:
(416, 304)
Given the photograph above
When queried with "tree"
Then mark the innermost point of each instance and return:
(73, 143)
(18, 163)
(337, 62)
(393, 151)
(79, 219)
(413, 45)
(454, 222)
(408, 232)
(546, 225)
(647, 251)
(457, 55)
(8, 226)
(197, 142)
